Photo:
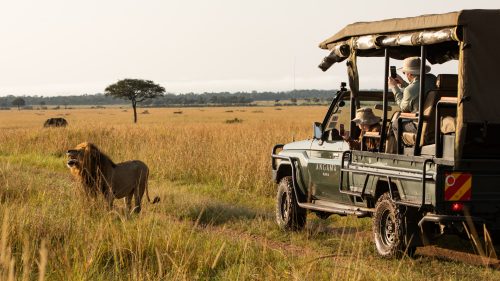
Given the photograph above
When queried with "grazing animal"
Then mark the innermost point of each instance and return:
(55, 122)
(98, 174)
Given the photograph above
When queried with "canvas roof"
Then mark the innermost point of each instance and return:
(393, 25)
(475, 42)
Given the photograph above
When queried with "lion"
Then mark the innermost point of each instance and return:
(99, 174)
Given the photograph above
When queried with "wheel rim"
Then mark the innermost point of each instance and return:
(387, 229)
(284, 206)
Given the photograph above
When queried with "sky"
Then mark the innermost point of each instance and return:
(61, 47)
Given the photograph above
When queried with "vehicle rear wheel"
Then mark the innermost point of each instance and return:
(388, 229)
(289, 215)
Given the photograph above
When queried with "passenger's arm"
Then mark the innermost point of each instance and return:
(404, 98)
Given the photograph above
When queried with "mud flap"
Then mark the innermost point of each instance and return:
(413, 233)
(299, 181)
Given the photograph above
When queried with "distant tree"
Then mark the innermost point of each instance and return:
(293, 100)
(213, 99)
(135, 90)
(18, 102)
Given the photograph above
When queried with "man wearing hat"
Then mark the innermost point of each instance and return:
(406, 94)
(367, 122)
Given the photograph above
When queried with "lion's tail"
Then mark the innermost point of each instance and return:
(156, 199)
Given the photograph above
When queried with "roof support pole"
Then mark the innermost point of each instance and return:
(421, 100)
(352, 125)
(384, 101)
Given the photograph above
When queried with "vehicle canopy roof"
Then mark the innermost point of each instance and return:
(471, 36)
(393, 26)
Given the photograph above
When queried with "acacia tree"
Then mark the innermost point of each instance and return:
(135, 90)
(18, 102)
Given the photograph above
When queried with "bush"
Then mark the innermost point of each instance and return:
(235, 120)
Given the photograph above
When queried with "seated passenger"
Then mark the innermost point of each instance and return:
(406, 94)
(367, 122)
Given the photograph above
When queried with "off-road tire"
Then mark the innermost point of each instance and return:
(289, 215)
(389, 229)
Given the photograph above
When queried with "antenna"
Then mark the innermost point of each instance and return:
(294, 73)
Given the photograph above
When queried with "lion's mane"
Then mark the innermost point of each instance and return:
(94, 170)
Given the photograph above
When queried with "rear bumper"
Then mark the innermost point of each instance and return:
(432, 218)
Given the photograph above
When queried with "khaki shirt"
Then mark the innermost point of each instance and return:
(407, 96)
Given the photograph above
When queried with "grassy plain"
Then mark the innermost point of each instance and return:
(215, 220)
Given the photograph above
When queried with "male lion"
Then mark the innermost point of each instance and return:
(98, 173)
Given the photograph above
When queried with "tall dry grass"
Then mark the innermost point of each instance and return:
(202, 148)
(215, 220)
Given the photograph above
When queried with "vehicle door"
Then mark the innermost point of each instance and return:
(325, 158)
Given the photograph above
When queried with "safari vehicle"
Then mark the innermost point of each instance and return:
(445, 178)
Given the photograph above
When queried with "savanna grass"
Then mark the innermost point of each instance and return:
(215, 220)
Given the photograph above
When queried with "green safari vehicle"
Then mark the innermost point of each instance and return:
(443, 179)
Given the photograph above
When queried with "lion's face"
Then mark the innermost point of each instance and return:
(75, 156)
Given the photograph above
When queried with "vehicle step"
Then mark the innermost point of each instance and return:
(340, 211)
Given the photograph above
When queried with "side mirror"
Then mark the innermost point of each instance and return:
(318, 131)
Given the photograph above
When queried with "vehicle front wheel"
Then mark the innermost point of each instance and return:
(389, 230)
(289, 215)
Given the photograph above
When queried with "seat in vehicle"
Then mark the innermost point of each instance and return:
(446, 86)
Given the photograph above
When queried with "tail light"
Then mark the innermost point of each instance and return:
(457, 207)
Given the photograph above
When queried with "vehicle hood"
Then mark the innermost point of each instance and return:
(298, 145)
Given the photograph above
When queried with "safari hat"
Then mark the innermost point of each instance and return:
(412, 65)
(365, 116)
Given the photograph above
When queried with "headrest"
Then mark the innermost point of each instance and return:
(447, 81)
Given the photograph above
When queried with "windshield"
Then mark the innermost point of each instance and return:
(338, 123)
